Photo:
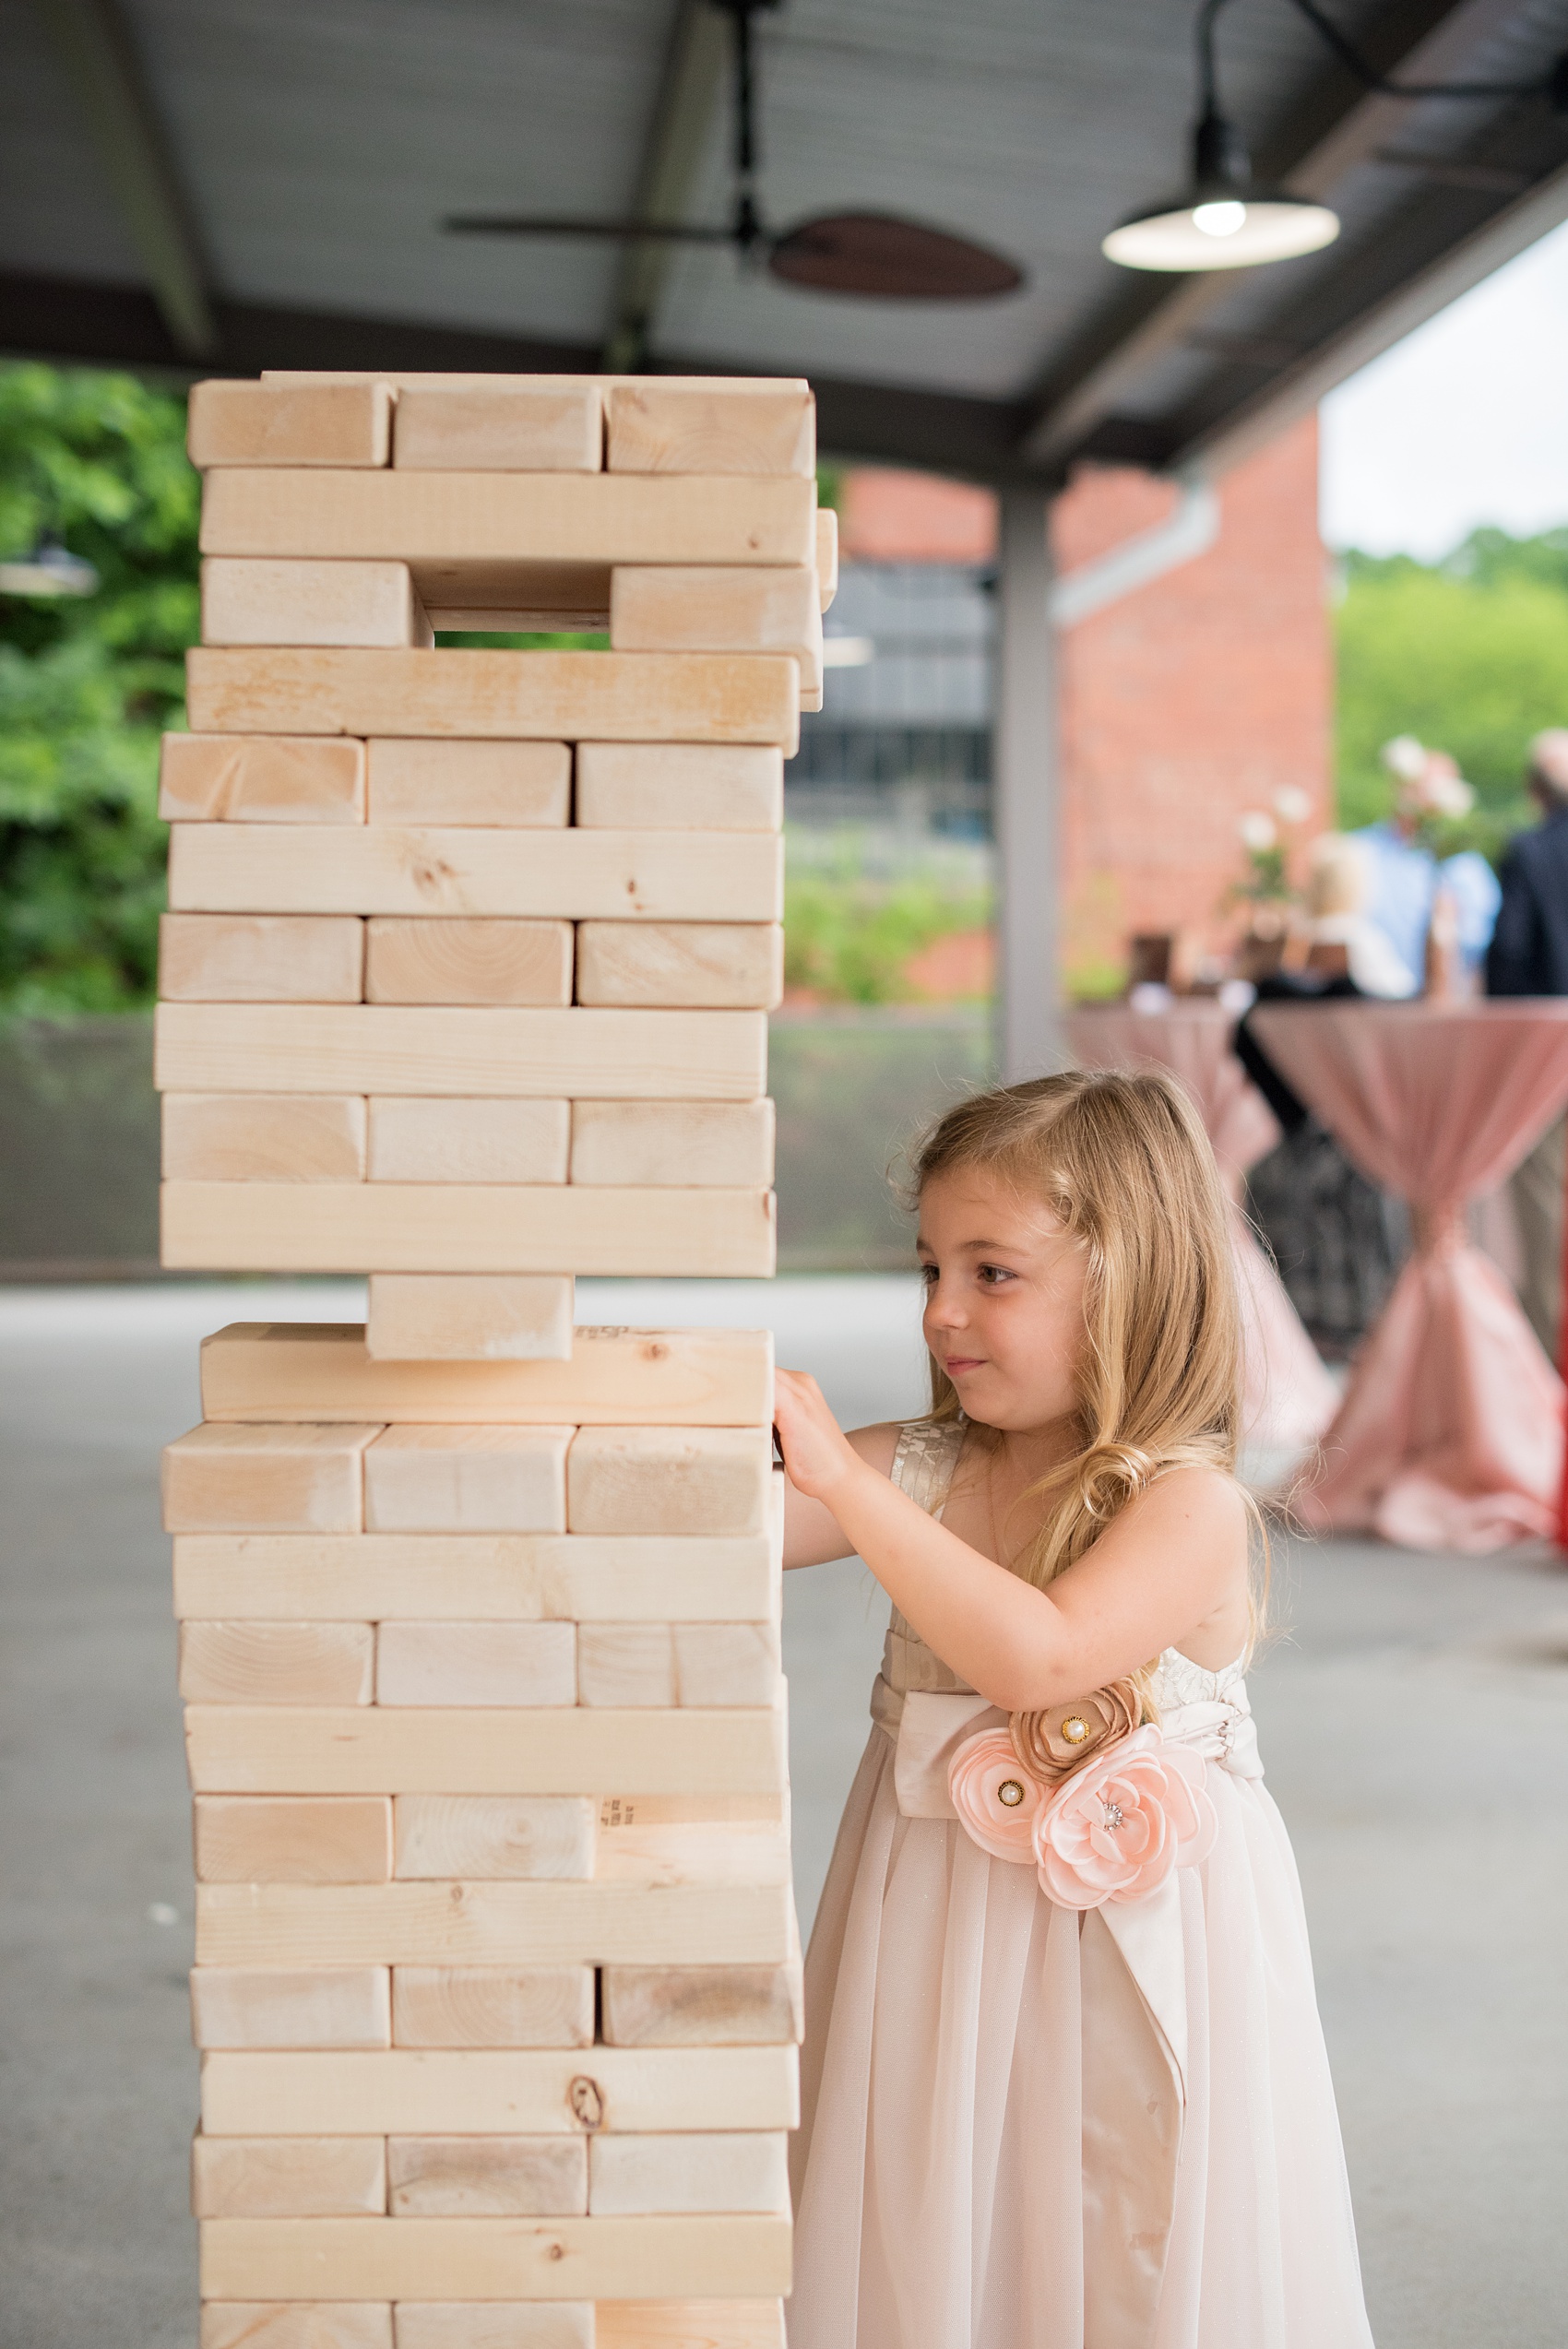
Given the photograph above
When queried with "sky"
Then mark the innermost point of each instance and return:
(1463, 422)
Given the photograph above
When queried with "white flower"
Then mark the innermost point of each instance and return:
(1292, 805)
(1258, 832)
(1405, 758)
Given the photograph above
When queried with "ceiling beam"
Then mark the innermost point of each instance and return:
(1294, 391)
(94, 46)
(1336, 126)
(691, 86)
(81, 323)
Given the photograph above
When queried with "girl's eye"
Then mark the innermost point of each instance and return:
(928, 1275)
(994, 1275)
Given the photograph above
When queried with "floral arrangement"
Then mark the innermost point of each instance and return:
(1270, 841)
(1108, 1829)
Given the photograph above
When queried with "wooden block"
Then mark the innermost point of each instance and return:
(478, 1480)
(535, 2091)
(278, 1371)
(703, 2006)
(487, 2176)
(471, 1577)
(301, 1478)
(296, 2324)
(469, 1751)
(484, 518)
(493, 1924)
(337, 424)
(265, 1137)
(382, 1048)
(333, 2006)
(495, 2324)
(256, 958)
(571, 874)
(505, 428)
(826, 554)
(480, 1664)
(727, 1663)
(412, 960)
(714, 427)
(696, 608)
(288, 2176)
(669, 1480)
(495, 1835)
(577, 2259)
(430, 1317)
(690, 2324)
(260, 778)
(480, 2006)
(672, 1145)
(679, 786)
(277, 1663)
(598, 696)
(293, 1839)
(694, 964)
(484, 1139)
(495, 784)
(268, 602)
(700, 1851)
(564, 1228)
(625, 1664)
(727, 2169)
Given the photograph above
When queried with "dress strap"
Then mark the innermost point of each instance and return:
(923, 1461)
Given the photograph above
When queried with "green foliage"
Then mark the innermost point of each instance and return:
(849, 933)
(87, 683)
(1470, 655)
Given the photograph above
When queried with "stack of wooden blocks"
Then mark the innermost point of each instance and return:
(465, 986)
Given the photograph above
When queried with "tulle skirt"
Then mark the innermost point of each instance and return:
(996, 2150)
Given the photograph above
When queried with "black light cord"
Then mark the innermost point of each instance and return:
(1552, 85)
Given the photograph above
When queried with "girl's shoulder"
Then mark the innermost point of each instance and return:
(1197, 1496)
(878, 1446)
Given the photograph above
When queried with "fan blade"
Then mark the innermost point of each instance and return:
(876, 253)
(619, 231)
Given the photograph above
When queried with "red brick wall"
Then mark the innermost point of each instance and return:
(1192, 699)
(1186, 703)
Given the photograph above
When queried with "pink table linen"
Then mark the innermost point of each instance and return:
(1449, 1435)
(1289, 1396)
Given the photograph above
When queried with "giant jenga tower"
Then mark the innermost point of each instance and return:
(465, 987)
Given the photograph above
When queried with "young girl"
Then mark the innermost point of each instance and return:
(1080, 2121)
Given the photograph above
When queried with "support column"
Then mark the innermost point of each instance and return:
(1025, 801)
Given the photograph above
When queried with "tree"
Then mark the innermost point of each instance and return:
(1470, 655)
(97, 463)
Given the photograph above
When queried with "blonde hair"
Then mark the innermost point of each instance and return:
(1125, 1165)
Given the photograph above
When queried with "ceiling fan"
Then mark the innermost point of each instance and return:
(857, 253)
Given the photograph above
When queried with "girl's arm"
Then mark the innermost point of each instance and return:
(1162, 1566)
(812, 1534)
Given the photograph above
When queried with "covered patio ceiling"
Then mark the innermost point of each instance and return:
(219, 186)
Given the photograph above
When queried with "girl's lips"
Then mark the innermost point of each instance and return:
(956, 1365)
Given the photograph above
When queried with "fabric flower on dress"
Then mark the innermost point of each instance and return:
(997, 1799)
(1052, 1744)
(1117, 1828)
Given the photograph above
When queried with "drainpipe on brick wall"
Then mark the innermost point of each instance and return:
(1190, 531)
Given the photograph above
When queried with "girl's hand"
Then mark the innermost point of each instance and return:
(817, 1453)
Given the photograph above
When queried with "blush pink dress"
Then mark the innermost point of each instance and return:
(1024, 2128)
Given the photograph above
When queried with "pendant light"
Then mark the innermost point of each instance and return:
(1223, 220)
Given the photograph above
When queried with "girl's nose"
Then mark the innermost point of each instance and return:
(944, 1309)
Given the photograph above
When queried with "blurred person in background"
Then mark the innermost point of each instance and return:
(1406, 878)
(1338, 885)
(1528, 955)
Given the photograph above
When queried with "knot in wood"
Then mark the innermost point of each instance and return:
(587, 2100)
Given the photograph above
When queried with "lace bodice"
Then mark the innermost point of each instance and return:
(923, 1463)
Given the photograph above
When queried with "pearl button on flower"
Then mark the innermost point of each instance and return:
(1011, 1793)
(1074, 1729)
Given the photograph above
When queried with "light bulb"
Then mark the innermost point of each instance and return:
(1220, 219)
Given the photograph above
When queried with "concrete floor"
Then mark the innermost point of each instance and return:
(1412, 1711)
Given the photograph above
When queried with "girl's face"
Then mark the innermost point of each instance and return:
(1005, 1299)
